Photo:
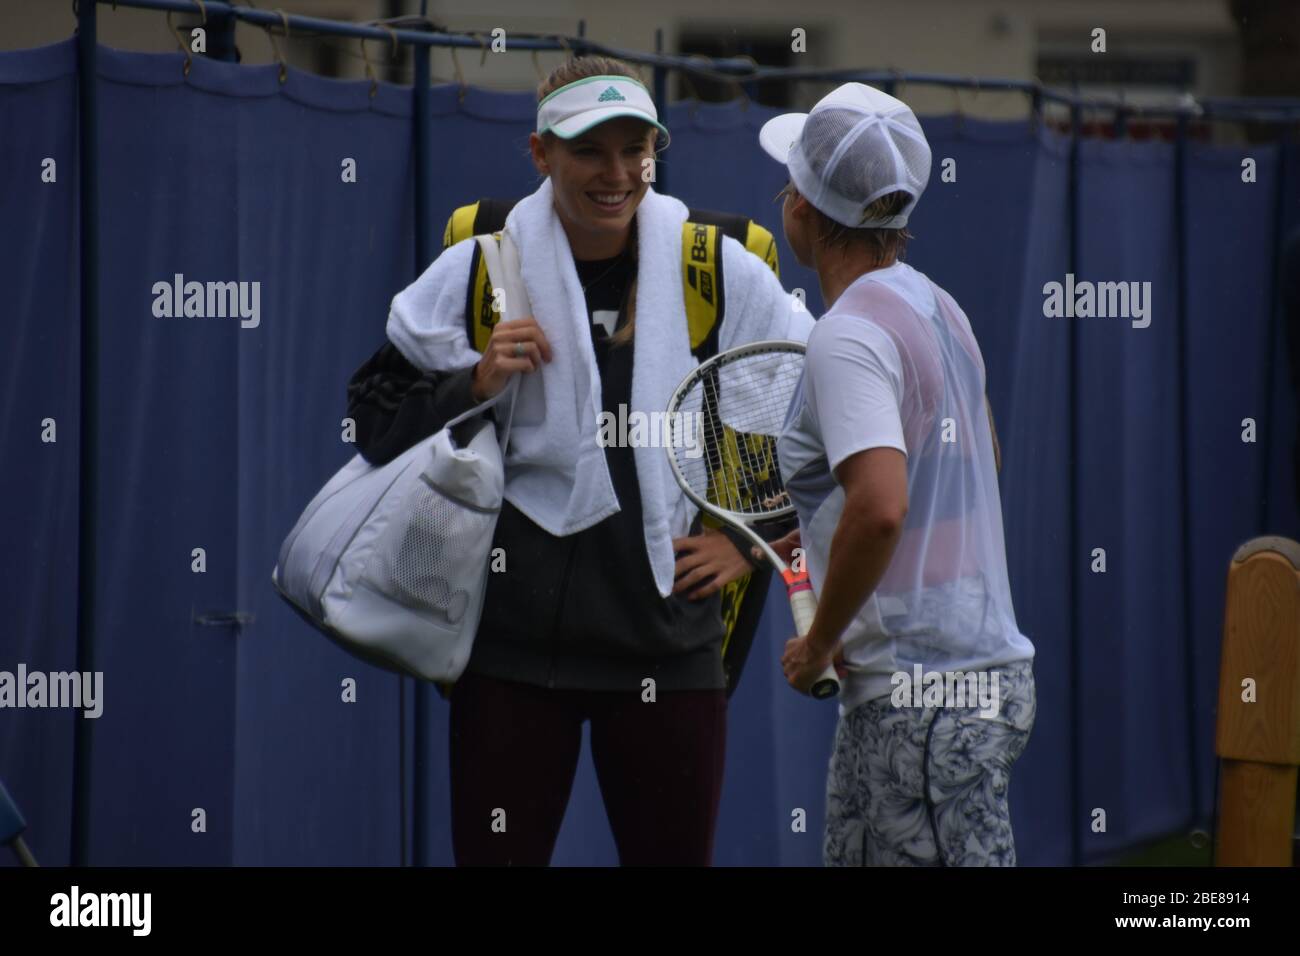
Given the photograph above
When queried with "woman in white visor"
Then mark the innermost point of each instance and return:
(606, 610)
(889, 457)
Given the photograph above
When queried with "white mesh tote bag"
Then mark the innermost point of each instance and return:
(391, 561)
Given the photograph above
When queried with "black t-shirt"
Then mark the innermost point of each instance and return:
(605, 282)
(583, 610)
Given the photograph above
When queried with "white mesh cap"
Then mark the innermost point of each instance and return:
(856, 145)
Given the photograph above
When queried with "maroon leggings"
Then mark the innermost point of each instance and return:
(514, 748)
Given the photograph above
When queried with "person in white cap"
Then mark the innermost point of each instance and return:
(606, 609)
(888, 456)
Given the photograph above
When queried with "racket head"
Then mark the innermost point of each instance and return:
(724, 419)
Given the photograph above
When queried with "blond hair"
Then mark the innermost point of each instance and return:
(584, 67)
(885, 244)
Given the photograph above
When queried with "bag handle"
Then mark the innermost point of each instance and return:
(504, 273)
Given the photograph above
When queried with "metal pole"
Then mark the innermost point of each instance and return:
(88, 464)
(425, 250)
(661, 106)
(1184, 490)
(24, 855)
(1278, 110)
(221, 38)
(424, 254)
(1274, 350)
(1073, 535)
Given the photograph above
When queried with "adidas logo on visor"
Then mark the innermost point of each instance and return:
(611, 94)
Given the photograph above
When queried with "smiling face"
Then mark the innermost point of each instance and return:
(597, 182)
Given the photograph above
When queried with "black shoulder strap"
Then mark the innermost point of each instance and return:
(491, 216)
(737, 227)
(476, 219)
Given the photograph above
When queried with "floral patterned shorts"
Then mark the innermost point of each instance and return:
(927, 786)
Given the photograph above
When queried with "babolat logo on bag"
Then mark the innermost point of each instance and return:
(700, 280)
(611, 94)
(699, 242)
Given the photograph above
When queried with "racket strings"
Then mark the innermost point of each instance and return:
(737, 409)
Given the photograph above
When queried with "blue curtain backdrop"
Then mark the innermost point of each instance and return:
(218, 699)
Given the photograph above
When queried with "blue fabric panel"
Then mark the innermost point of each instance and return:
(1134, 758)
(38, 486)
(1034, 428)
(228, 431)
(480, 149)
(164, 749)
(752, 812)
(798, 753)
(317, 779)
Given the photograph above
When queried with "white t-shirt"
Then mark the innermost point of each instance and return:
(894, 364)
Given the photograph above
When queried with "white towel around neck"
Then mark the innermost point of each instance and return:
(556, 472)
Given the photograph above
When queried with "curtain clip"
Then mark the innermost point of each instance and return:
(460, 76)
(180, 43)
(275, 47)
(370, 70)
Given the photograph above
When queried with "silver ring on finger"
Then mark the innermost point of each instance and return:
(520, 351)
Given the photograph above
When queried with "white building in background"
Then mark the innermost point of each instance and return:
(1154, 48)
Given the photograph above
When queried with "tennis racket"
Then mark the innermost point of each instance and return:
(724, 419)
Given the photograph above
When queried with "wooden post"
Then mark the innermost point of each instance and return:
(1258, 726)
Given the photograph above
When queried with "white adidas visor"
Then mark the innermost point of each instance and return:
(573, 109)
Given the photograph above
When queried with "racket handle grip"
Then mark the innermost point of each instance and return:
(804, 607)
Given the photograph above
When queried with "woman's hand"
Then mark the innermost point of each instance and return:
(709, 560)
(784, 548)
(503, 356)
